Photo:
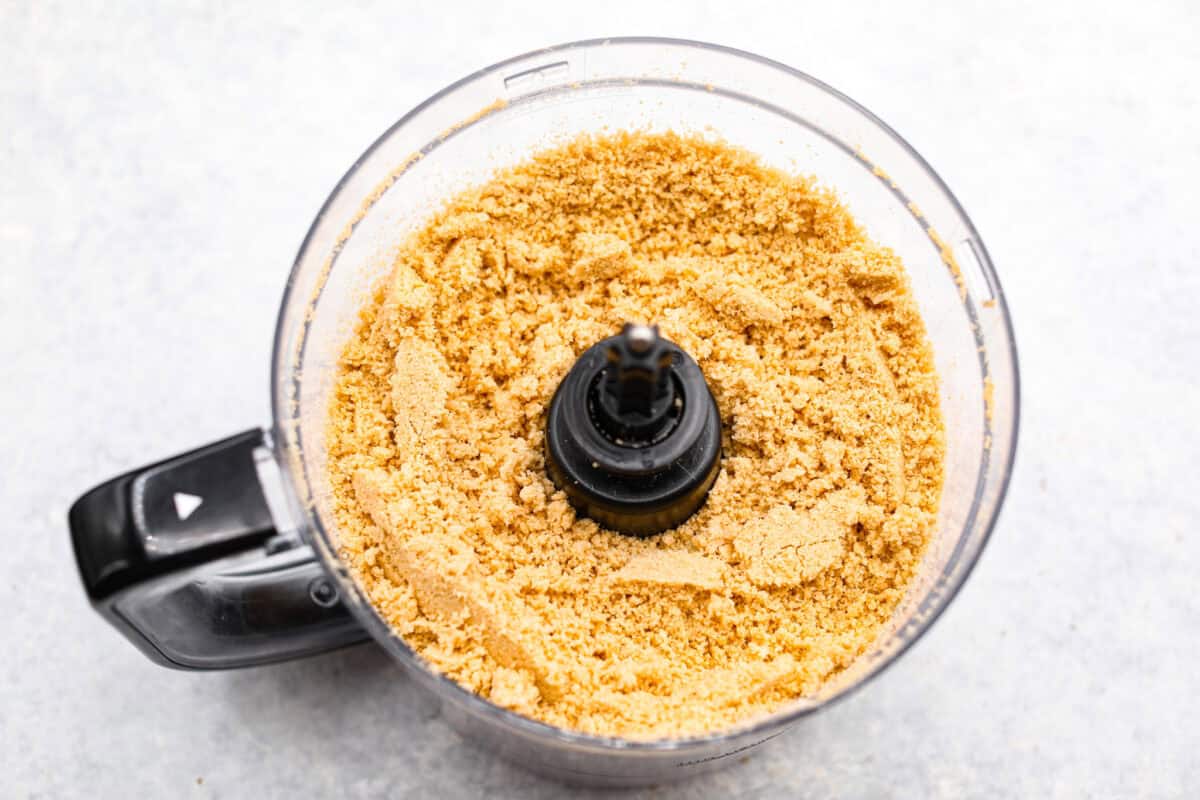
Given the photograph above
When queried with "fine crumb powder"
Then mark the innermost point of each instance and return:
(832, 454)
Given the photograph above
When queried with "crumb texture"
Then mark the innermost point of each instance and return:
(832, 454)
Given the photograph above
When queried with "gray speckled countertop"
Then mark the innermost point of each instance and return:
(159, 168)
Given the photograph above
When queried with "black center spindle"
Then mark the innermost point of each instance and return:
(635, 402)
(633, 436)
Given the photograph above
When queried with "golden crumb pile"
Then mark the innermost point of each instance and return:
(833, 440)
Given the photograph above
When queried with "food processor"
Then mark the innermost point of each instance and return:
(226, 556)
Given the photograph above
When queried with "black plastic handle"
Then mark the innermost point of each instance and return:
(183, 558)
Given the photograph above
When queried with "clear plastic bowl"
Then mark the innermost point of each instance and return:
(460, 135)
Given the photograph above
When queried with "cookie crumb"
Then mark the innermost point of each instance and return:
(786, 547)
(674, 568)
(832, 465)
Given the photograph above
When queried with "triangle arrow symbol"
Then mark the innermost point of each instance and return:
(186, 504)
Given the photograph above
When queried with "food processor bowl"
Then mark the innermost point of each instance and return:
(169, 586)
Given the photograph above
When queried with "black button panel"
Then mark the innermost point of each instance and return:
(199, 499)
(183, 559)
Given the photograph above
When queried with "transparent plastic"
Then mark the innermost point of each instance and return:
(459, 136)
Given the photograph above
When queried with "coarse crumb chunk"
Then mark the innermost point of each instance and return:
(419, 387)
(833, 446)
(514, 689)
(672, 568)
(786, 547)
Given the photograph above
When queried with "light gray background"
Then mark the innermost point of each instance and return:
(158, 169)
